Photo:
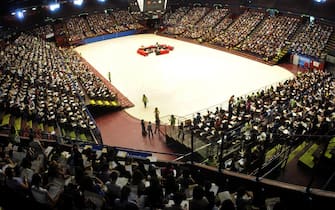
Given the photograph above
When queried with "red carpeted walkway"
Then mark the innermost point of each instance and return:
(122, 130)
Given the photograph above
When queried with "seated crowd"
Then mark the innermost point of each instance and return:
(312, 40)
(239, 29)
(210, 20)
(272, 36)
(218, 28)
(41, 83)
(80, 177)
(82, 27)
(300, 106)
(254, 32)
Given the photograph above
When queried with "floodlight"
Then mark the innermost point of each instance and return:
(54, 6)
(78, 2)
(19, 14)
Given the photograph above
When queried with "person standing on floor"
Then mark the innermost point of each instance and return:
(157, 125)
(181, 131)
(157, 120)
(145, 100)
(149, 130)
(156, 114)
(144, 132)
(172, 121)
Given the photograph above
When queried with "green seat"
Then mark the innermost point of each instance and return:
(5, 120)
(92, 102)
(307, 158)
(330, 148)
(17, 124)
(72, 135)
(82, 137)
(30, 124)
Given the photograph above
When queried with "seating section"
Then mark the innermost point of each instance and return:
(312, 39)
(261, 120)
(42, 90)
(255, 32)
(101, 177)
(271, 37)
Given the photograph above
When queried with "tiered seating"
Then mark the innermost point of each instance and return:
(44, 95)
(271, 37)
(270, 116)
(308, 158)
(240, 29)
(206, 24)
(311, 41)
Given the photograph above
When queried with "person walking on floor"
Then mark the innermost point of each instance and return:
(149, 130)
(145, 100)
(144, 132)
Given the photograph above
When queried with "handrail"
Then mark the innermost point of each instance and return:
(223, 103)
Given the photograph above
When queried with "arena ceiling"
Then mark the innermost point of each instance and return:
(8, 5)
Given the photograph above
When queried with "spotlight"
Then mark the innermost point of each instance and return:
(20, 15)
(54, 6)
(78, 2)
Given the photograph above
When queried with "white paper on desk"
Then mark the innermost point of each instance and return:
(158, 172)
(185, 205)
(121, 181)
(98, 152)
(129, 168)
(47, 151)
(54, 190)
(214, 188)
(146, 166)
(152, 158)
(224, 195)
(112, 165)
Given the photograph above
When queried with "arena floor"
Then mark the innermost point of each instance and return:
(188, 79)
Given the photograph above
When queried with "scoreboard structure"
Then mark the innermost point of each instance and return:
(152, 6)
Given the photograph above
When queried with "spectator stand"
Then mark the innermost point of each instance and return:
(100, 161)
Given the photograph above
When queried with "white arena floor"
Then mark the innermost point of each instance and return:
(188, 79)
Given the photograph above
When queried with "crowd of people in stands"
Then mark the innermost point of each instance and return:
(254, 31)
(312, 39)
(239, 29)
(82, 27)
(78, 29)
(49, 85)
(80, 177)
(272, 36)
(218, 28)
(43, 83)
(204, 25)
(300, 106)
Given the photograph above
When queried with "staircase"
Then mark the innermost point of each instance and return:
(330, 46)
(280, 55)
(283, 52)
